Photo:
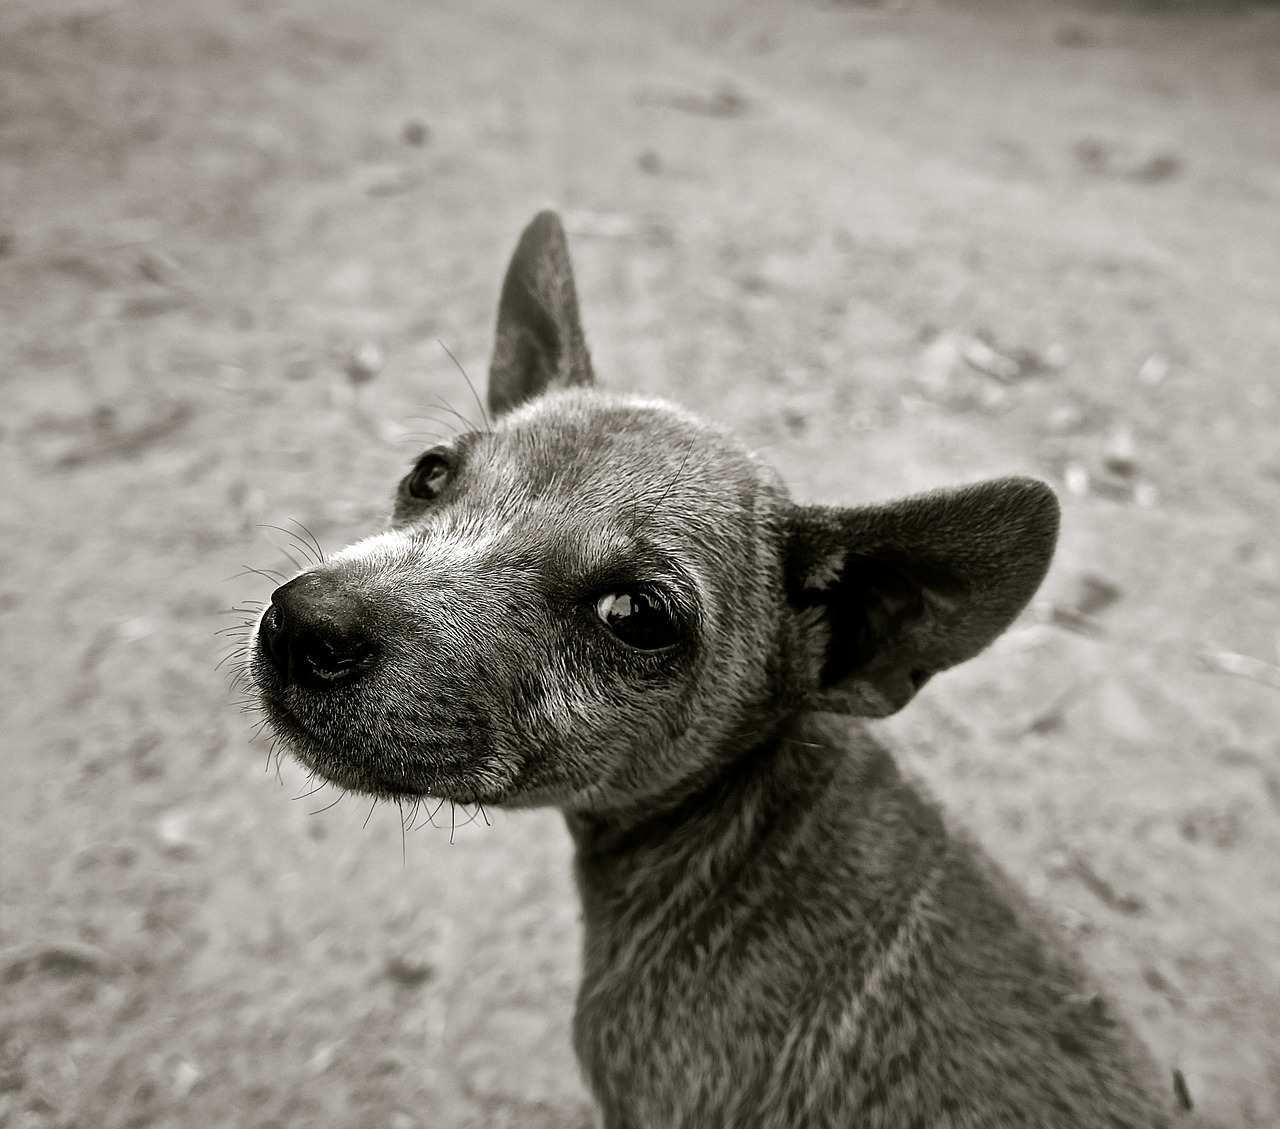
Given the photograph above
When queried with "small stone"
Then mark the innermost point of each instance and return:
(364, 362)
(939, 361)
(176, 835)
(54, 958)
(722, 100)
(159, 267)
(1093, 155)
(1153, 370)
(1066, 419)
(416, 132)
(185, 1077)
(1075, 479)
(648, 162)
(1105, 891)
(1074, 35)
(1157, 168)
(1185, 1089)
(322, 1058)
(1240, 666)
(1120, 455)
(1092, 593)
(409, 970)
(726, 101)
(981, 356)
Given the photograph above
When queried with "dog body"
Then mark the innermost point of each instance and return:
(604, 604)
(831, 957)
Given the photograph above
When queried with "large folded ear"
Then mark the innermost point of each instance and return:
(539, 341)
(890, 595)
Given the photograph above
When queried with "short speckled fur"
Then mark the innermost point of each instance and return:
(780, 931)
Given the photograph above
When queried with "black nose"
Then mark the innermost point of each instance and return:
(317, 631)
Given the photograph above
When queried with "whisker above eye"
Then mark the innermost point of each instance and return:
(484, 415)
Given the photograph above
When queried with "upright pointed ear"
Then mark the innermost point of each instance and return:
(890, 595)
(539, 341)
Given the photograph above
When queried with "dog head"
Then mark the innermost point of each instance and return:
(599, 600)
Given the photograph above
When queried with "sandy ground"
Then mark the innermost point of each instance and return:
(895, 247)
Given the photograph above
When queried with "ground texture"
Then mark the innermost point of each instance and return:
(895, 247)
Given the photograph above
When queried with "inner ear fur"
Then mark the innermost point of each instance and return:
(893, 594)
(539, 342)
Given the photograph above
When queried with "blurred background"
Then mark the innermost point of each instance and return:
(894, 245)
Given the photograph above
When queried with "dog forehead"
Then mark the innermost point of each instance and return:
(607, 450)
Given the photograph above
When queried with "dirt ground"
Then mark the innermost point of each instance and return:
(894, 246)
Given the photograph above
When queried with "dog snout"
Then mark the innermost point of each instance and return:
(317, 631)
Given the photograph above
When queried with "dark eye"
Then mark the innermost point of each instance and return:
(427, 479)
(640, 618)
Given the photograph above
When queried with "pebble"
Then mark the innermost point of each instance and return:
(185, 1077)
(416, 132)
(1153, 370)
(1075, 479)
(409, 970)
(364, 362)
(176, 836)
(648, 162)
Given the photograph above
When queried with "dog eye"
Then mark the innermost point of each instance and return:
(639, 618)
(427, 479)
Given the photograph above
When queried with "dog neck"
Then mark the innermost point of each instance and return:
(772, 790)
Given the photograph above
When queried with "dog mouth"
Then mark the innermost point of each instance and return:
(364, 771)
(441, 768)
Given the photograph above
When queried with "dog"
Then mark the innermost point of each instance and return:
(605, 604)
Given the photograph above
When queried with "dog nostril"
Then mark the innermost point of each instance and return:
(271, 639)
(329, 655)
(315, 632)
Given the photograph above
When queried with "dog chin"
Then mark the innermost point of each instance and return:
(370, 782)
(459, 787)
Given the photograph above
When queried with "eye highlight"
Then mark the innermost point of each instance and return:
(640, 618)
(428, 478)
